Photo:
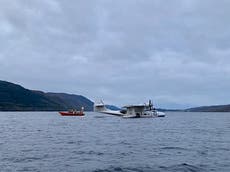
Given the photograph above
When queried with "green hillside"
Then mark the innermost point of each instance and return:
(216, 108)
(14, 97)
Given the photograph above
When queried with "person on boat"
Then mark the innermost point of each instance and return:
(71, 111)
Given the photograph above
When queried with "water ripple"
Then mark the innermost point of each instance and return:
(184, 167)
(181, 142)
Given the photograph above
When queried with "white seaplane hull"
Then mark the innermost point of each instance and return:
(132, 111)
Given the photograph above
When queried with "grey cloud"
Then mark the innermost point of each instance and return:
(176, 52)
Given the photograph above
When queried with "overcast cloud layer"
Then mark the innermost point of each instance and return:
(176, 52)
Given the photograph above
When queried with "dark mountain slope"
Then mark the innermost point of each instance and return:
(71, 101)
(216, 108)
(14, 97)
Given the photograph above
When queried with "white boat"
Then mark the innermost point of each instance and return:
(131, 111)
(142, 111)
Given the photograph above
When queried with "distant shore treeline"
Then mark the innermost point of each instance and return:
(14, 97)
(215, 108)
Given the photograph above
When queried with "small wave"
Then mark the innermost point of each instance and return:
(87, 153)
(100, 116)
(174, 148)
(27, 159)
(28, 169)
(71, 142)
(125, 142)
(222, 149)
(125, 169)
(23, 159)
(184, 167)
(203, 152)
(27, 150)
(95, 153)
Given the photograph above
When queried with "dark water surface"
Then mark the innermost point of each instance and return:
(45, 141)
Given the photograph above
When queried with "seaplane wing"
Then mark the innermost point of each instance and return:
(100, 107)
(112, 112)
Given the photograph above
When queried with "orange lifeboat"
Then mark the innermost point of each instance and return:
(73, 113)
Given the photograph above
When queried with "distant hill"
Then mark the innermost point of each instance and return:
(215, 108)
(72, 100)
(14, 97)
(169, 110)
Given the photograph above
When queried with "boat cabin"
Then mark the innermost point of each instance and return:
(135, 110)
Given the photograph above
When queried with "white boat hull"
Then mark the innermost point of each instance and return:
(141, 116)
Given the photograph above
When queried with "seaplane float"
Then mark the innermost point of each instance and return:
(131, 111)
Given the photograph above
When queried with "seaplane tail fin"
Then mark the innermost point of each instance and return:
(100, 107)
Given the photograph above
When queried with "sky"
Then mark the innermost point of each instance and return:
(176, 53)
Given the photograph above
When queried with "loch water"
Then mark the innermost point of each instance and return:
(182, 141)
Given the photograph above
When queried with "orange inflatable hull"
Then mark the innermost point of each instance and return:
(72, 113)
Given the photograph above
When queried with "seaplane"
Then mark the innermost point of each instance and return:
(101, 107)
(145, 110)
